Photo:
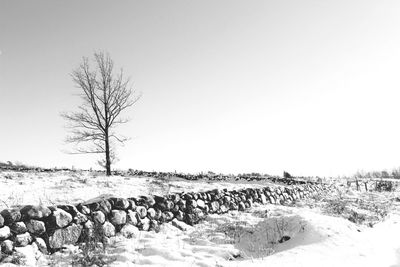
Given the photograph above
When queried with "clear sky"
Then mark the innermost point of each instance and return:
(311, 87)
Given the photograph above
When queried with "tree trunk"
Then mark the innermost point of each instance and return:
(108, 161)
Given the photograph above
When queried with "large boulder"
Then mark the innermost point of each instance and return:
(65, 236)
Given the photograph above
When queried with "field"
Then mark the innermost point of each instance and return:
(342, 227)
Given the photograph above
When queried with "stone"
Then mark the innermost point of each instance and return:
(180, 215)
(35, 212)
(154, 226)
(263, 199)
(18, 228)
(99, 203)
(88, 225)
(98, 217)
(130, 231)
(241, 206)
(272, 200)
(201, 204)
(223, 209)
(22, 240)
(83, 209)
(132, 217)
(158, 214)
(1, 221)
(11, 216)
(105, 207)
(214, 206)
(181, 225)
(159, 199)
(118, 217)
(132, 204)
(35, 227)
(60, 218)
(146, 201)
(142, 211)
(80, 218)
(5, 232)
(191, 219)
(191, 203)
(175, 208)
(168, 216)
(182, 204)
(151, 213)
(65, 236)
(187, 196)
(175, 198)
(108, 229)
(69, 208)
(227, 199)
(121, 204)
(7, 246)
(144, 224)
(207, 209)
(41, 244)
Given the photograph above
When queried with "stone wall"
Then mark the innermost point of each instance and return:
(50, 228)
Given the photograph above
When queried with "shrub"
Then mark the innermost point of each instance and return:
(93, 248)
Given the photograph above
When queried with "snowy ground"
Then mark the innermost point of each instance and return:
(23, 188)
(317, 238)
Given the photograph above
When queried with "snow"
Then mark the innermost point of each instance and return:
(28, 188)
(234, 239)
(323, 241)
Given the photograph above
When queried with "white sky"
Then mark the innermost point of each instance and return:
(310, 87)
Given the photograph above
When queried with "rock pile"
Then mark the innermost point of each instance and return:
(51, 228)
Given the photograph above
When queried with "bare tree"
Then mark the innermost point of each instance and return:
(105, 94)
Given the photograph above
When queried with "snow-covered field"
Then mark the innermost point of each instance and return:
(303, 234)
(23, 188)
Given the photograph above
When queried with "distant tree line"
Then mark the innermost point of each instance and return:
(393, 174)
